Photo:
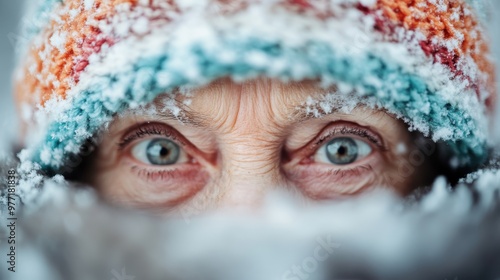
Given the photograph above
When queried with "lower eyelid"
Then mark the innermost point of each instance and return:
(153, 173)
(163, 175)
(166, 188)
(309, 167)
(333, 182)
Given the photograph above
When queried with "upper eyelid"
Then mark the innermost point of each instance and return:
(313, 145)
(140, 130)
(186, 145)
(344, 130)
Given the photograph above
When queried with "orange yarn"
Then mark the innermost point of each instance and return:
(448, 23)
(54, 72)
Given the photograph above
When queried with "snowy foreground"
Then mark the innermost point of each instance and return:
(447, 234)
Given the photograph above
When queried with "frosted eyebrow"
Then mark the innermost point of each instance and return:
(306, 112)
(183, 114)
(314, 109)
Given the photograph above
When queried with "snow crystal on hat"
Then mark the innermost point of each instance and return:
(425, 61)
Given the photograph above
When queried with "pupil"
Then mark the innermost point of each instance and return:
(342, 150)
(163, 151)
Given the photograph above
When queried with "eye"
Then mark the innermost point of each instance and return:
(159, 151)
(342, 151)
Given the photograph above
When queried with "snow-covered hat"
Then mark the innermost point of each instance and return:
(425, 61)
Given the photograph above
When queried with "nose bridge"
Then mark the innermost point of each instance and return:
(251, 145)
(255, 111)
(250, 170)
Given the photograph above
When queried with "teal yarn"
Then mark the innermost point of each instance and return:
(400, 92)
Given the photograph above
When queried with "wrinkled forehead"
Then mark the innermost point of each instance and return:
(289, 102)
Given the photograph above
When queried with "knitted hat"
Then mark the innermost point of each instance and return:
(425, 61)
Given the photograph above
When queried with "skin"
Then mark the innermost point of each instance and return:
(242, 141)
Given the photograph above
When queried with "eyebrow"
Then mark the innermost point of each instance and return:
(304, 113)
(186, 116)
(299, 113)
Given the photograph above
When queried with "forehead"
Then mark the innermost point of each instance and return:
(260, 99)
(259, 94)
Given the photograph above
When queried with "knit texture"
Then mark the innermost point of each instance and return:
(427, 62)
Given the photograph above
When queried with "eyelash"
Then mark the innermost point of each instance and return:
(154, 175)
(140, 131)
(331, 133)
(345, 130)
(341, 173)
(150, 129)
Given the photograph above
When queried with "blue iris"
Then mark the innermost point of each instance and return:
(342, 151)
(162, 152)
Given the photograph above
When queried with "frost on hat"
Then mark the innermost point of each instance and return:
(426, 61)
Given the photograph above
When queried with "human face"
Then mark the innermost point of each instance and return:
(233, 143)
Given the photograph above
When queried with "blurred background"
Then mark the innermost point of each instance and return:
(10, 16)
